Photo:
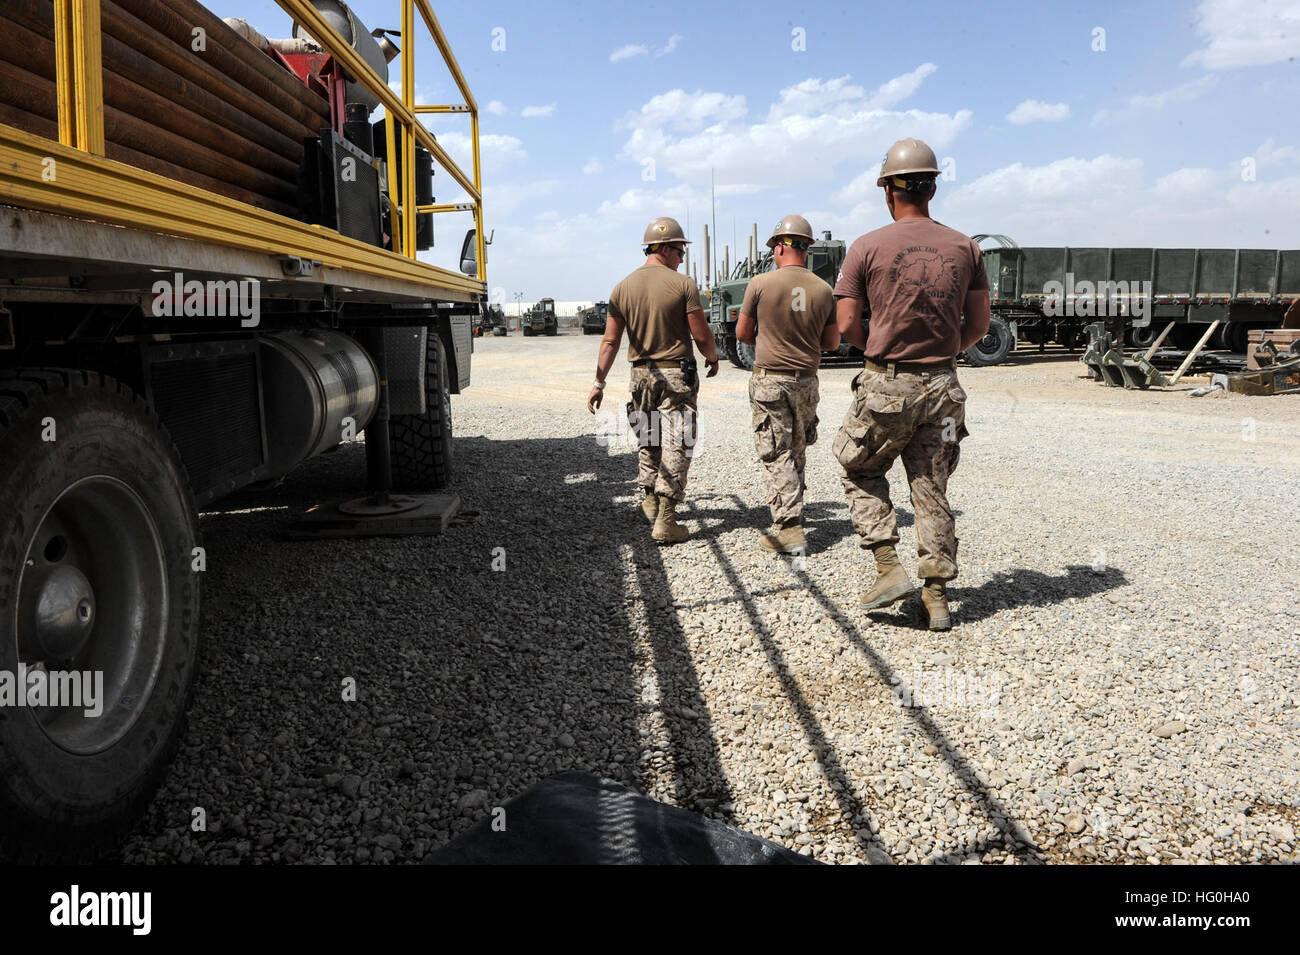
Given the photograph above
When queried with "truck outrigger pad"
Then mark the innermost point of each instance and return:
(378, 515)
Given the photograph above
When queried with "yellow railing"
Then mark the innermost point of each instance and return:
(402, 114)
(90, 184)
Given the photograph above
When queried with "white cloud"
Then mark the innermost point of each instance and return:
(497, 108)
(594, 167)
(671, 45)
(812, 126)
(1140, 103)
(629, 51)
(495, 151)
(1269, 155)
(894, 91)
(531, 112)
(1113, 201)
(1241, 33)
(1036, 111)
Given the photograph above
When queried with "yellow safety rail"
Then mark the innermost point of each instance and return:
(91, 185)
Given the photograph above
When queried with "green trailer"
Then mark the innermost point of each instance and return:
(1050, 294)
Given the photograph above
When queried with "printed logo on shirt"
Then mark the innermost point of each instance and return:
(927, 269)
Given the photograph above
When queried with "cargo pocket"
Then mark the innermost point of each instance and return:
(862, 444)
(764, 440)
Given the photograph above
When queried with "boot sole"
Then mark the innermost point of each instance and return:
(798, 550)
(944, 623)
(892, 596)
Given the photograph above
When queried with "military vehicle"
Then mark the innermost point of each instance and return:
(492, 319)
(724, 300)
(1051, 294)
(540, 319)
(203, 298)
(593, 318)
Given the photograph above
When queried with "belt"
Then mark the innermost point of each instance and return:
(654, 363)
(783, 373)
(892, 368)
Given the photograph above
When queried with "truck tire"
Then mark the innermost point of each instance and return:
(744, 356)
(1141, 337)
(97, 541)
(727, 348)
(500, 332)
(527, 331)
(420, 444)
(994, 347)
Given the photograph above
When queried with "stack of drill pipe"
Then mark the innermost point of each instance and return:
(226, 118)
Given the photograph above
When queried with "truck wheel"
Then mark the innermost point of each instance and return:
(994, 347)
(745, 356)
(421, 443)
(726, 348)
(96, 577)
(553, 330)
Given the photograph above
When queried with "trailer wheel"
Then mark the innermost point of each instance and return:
(744, 356)
(421, 443)
(994, 347)
(1141, 337)
(96, 577)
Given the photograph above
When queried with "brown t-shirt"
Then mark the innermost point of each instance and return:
(654, 302)
(793, 307)
(913, 275)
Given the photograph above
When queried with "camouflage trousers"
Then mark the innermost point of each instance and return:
(662, 415)
(785, 423)
(920, 418)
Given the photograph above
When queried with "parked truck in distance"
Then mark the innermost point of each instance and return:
(825, 256)
(592, 318)
(493, 321)
(540, 319)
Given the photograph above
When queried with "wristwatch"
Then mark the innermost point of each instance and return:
(599, 384)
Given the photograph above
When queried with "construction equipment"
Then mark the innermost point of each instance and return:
(592, 318)
(492, 319)
(1107, 362)
(1052, 294)
(208, 275)
(540, 319)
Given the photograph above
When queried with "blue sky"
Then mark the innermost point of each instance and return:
(597, 117)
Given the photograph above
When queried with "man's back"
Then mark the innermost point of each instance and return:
(653, 302)
(792, 307)
(914, 275)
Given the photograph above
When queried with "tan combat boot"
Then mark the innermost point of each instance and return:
(892, 582)
(666, 529)
(650, 506)
(934, 596)
(788, 540)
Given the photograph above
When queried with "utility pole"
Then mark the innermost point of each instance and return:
(713, 198)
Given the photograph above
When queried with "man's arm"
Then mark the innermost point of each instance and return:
(830, 337)
(848, 316)
(976, 313)
(605, 358)
(747, 329)
(703, 336)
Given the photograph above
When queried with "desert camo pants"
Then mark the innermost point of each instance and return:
(785, 423)
(662, 416)
(920, 418)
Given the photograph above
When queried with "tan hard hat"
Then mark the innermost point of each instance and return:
(905, 157)
(794, 226)
(664, 231)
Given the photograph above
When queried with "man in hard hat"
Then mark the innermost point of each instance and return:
(789, 317)
(915, 280)
(661, 311)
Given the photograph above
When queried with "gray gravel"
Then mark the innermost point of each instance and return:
(1121, 683)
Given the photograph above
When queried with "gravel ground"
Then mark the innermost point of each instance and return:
(1120, 685)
